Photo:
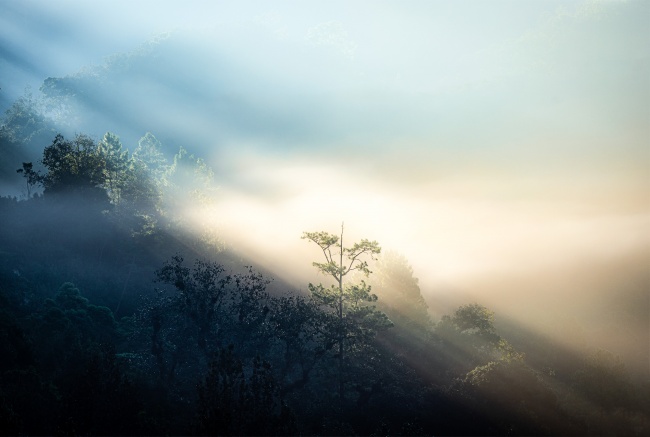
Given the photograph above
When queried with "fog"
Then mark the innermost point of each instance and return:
(501, 147)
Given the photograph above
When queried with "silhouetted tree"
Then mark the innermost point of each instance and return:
(207, 310)
(202, 293)
(351, 319)
(469, 338)
(297, 323)
(32, 177)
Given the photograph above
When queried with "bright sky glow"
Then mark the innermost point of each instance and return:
(480, 139)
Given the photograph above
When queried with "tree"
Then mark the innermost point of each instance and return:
(208, 309)
(32, 177)
(399, 292)
(296, 321)
(469, 338)
(603, 380)
(202, 292)
(187, 179)
(115, 165)
(141, 185)
(23, 130)
(139, 199)
(352, 320)
(74, 166)
(512, 398)
(149, 153)
(234, 403)
(24, 120)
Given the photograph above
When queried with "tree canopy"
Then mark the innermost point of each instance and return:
(90, 345)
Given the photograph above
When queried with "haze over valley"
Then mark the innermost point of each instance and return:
(497, 152)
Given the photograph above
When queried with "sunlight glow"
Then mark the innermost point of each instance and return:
(503, 150)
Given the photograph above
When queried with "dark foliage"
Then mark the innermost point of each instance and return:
(90, 346)
(234, 403)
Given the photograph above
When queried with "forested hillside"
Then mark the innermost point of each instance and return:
(117, 320)
(324, 218)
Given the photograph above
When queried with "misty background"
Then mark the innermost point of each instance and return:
(501, 147)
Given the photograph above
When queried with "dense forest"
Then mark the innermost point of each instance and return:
(115, 319)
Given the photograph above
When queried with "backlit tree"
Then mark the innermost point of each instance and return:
(353, 320)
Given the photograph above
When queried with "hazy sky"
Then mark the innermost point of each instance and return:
(480, 139)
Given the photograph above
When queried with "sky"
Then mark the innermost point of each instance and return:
(500, 146)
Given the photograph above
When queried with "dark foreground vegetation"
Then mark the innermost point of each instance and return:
(115, 320)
